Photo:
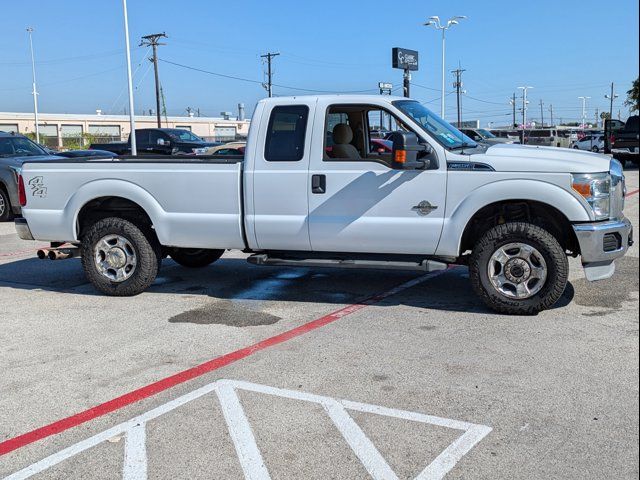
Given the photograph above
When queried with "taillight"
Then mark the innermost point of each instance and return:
(22, 194)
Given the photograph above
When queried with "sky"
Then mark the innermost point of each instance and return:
(564, 49)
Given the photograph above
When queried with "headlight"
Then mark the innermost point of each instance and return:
(596, 190)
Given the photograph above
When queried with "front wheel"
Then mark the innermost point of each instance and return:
(120, 258)
(595, 149)
(195, 257)
(518, 268)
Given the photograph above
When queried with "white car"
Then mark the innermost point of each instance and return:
(312, 191)
(593, 143)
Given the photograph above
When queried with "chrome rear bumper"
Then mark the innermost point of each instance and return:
(22, 227)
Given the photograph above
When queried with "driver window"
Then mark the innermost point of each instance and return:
(359, 133)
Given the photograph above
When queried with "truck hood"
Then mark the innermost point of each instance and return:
(525, 158)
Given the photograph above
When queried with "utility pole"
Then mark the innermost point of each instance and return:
(513, 106)
(541, 114)
(269, 85)
(524, 109)
(612, 96)
(551, 111)
(458, 86)
(35, 91)
(152, 40)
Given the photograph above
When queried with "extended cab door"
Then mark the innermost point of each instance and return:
(365, 205)
(278, 179)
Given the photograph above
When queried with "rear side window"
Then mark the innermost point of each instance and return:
(285, 134)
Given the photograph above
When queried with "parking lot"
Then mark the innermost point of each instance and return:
(276, 372)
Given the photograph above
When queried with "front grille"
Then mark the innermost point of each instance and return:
(612, 242)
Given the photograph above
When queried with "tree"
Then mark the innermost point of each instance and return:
(633, 96)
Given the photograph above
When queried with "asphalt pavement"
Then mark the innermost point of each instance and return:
(238, 371)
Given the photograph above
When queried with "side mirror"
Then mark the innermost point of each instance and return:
(406, 150)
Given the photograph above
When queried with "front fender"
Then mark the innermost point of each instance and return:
(459, 215)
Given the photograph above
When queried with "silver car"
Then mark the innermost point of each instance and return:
(594, 143)
(482, 135)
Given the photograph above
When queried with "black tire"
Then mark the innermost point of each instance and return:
(145, 247)
(595, 149)
(556, 262)
(195, 257)
(5, 206)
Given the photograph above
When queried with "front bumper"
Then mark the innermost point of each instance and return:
(22, 227)
(601, 243)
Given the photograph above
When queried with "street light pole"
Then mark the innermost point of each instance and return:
(35, 91)
(132, 121)
(435, 23)
(584, 110)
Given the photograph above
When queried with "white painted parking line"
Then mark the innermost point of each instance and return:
(249, 455)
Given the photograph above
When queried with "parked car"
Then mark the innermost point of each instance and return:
(594, 143)
(625, 144)
(14, 151)
(225, 146)
(86, 154)
(512, 214)
(159, 141)
(380, 145)
(544, 137)
(485, 136)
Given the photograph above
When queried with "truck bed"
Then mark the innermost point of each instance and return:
(193, 202)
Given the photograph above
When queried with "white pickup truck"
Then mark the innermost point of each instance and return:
(317, 187)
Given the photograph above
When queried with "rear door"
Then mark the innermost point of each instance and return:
(279, 176)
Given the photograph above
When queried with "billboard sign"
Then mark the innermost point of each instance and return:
(404, 59)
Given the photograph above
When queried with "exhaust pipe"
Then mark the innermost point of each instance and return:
(62, 253)
(43, 253)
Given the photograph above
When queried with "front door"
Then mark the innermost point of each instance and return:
(366, 205)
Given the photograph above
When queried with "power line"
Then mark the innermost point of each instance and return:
(242, 79)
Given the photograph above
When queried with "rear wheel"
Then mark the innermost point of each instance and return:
(120, 258)
(595, 149)
(5, 206)
(518, 268)
(195, 257)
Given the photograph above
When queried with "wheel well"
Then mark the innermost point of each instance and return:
(105, 207)
(537, 213)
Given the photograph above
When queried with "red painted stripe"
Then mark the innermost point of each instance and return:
(632, 193)
(191, 373)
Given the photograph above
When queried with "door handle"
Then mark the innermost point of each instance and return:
(318, 183)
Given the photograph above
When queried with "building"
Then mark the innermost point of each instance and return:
(63, 130)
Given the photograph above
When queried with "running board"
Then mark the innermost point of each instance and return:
(422, 266)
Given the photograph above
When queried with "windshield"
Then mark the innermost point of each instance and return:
(183, 135)
(486, 133)
(19, 147)
(443, 132)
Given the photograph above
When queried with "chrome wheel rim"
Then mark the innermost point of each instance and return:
(115, 258)
(3, 205)
(517, 270)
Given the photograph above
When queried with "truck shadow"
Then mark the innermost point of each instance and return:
(248, 286)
